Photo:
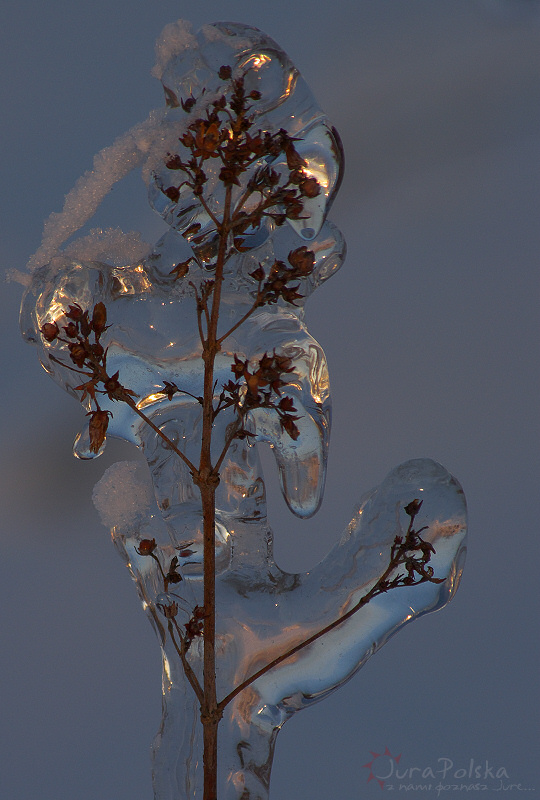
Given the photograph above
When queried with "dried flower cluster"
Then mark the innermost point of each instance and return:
(260, 388)
(227, 133)
(91, 355)
(276, 284)
(412, 553)
(195, 624)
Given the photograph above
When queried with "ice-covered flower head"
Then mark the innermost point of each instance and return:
(189, 68)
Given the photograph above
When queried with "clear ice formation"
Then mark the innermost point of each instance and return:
(262, 611)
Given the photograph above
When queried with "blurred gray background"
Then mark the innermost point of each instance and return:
(431, 333)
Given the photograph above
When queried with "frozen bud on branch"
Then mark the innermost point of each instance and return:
(225, 73)
(50, 331)
(97, 428)
(413, 507)
(99, 319)
(146, 547)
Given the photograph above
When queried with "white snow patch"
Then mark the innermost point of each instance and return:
(213, 34)
(19, 277)
(111, 245)
(173, 40)
(146, 144)
(110, 165)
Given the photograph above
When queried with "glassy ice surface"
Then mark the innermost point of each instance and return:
(153, 339)
(264, 612)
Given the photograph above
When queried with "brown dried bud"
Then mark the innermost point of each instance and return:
(77, 353)
(174, 162)
(287, 424)
(294, 159)
(310, 187)
(71, 330)
(258, 274)
(413, 507)
(146, 547)
(97, 428)
(97, 350)
(170, 611)
(188, 140)
(99, 319)
(188, 104)
(302, 259)
(286, 404)
(74, 312)
(85, 324)
(173, 576)
(112, 384)
(193, 628)
(173, 193)
(283, 363)
(297, 176)
(239, 367)
(229, 176)
(294, 209)
(169, 389)
(225, 73)
(181, 270)
(50, 331)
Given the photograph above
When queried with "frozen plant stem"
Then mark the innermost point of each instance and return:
(226, 133)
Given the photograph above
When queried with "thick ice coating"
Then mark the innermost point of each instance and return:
(154, 336)
(265, 612)
(152, 340)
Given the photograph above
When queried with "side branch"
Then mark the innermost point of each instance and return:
(210, 213)
(257, 302)
(190, 675)
(131, 403)
(400, 556)
(202, 306)
(235, 427)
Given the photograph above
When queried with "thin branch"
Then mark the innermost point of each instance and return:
(284, 656)
(158, 562)
(240, 204)
(68, 366)
(190, 675)
(208, 210)
(232, 434)
(200, 308)
(382, 586)
(257, 302)
(131, 403)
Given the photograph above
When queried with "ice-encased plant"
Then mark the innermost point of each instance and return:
(196, 350)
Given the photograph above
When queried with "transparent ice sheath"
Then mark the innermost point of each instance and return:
(153, 338)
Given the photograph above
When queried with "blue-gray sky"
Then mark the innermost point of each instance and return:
(431, 333)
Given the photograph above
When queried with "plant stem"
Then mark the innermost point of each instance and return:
(207, 480)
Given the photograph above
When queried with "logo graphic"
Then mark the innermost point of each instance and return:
(381, 769)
